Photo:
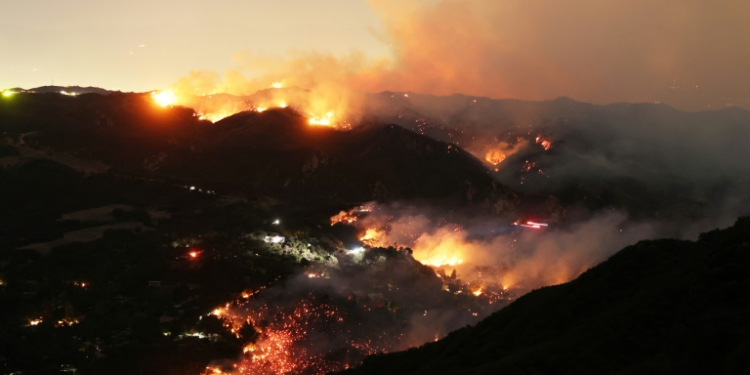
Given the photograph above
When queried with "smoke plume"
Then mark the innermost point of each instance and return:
(683, 53)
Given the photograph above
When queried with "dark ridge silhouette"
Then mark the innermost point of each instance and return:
(70, 89)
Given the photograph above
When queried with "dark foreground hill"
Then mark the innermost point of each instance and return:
(656, 307)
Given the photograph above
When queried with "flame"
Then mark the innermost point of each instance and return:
(164, 98)
(277, 85)
(283, 346)
(371, 236)
(351, 216)
(442, 261)
(326, 120)
(494, 157)
(443, 248)
(544, 141)
(213, 117)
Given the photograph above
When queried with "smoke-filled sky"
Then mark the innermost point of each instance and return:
(689, 53)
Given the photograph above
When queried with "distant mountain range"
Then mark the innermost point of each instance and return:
(662, 306)
(78, 90)
(647, 159)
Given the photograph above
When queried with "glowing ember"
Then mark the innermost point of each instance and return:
(66, 322)
(544, 141)
(164, 98)
(80, 284)
(194, 254)
(286, 338)
(35, 322)
(477, 292)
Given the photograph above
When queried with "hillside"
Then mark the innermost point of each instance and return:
(649, 159)
(275, 153)
(662, 306)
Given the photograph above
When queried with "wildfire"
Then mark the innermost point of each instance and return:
(371, 236)
(35, 322)
(496, 154)
(286, 343)
(351, 216)
(495, 157)
(213, 117)
(544, 141)
(442, 261)
(326, 120)
(164, 98)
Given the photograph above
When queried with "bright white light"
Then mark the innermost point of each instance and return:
(276, 222)
(358, 250)
(274, 239)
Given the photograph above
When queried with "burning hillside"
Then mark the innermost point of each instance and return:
(322, 108)
(444, 246)
(330, 318)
